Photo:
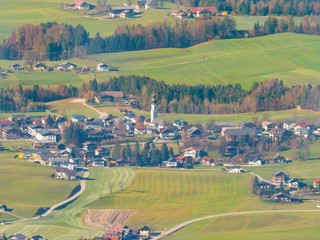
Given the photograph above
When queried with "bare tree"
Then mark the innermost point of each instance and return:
(110, 185)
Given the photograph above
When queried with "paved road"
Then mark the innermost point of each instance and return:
(83, 187)
(178, 227)
(83, 101)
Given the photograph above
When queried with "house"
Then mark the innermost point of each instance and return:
(175, 12)
(37, 237)
(202, 11)
(126, 232)
(126, 14)
(246, 124)
(255, 160)
(14, 66)
(139, 129)
(278, 134)
(80, 5)
(171, 163)
(316, 183)
(78, 118)
(278, 177)
(86, 69)
(151, 4)
(144, 231)
(283, 197)
(178, 124)
(66, 66)
(303, 131)
(140, 5)
(182, 15)
(234, 169)
(98, 163)
(28, 154)
(18, 236)
(206, 161)
(288, 125)
(89, 146)
(230, 151)
(55, 161)
(39, 67)
(44, 145)
(101, 67)
(33, 129)
(158, 123)
(267, 125)
(194, 132)
(233, 133)
(278, 159)
(217, 126)
(316, 131)
(65, 174)
(192, 152)
(46, 136)
(263, 185)
(294, 183)
(9, 133)
(167, 134)
(101, 152)
(116, 11)
(108, 97)
(3, 208)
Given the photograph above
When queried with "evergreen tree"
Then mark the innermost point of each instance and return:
(171, 153)
(116, 151)
(255, 185)
(164, 152)
(128, 151)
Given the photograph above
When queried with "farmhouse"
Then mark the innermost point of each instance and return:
(78, 118)
(126, 14)
(66, 66)
(151, 4)
(202, 11)
(108, 97)
(101, 67)
(265, 185)
(116, 11)
(9, 133)
(144, 231)
(278, 177)
(14, 66)
(234, 169)
(65, 174)
(283, 197)
(140, 5)
(79, 5)
(39, 67)
(18, 236)
(206, 161)
(316, 183)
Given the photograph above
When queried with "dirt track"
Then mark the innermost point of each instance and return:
(106, 219)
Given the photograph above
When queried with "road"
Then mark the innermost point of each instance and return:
(82, 188)
(182, 225)
(83, 101)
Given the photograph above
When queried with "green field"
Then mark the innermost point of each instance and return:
(290, 57)
(27, 186)
(67, 223)
(164, 198)
(295, 226)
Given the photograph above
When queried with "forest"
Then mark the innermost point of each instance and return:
(53, 41)
(200, 99)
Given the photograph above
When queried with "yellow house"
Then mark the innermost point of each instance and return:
(28, 154)
(224, 13)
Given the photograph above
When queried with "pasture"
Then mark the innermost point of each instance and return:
(67, 223)
(289, 57)
(164, 198)
(264, 226)
(28, 186)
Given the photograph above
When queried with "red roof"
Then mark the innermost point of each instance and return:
(208, 159)
(193, 148)
(44, 118)
(200, 9)
(176, 11)
(317, 180)
(87, 143)
(5, 120)
(181, 13)
(140, 127)
(78, 2)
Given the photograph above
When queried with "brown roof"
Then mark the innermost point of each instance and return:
(116, 94)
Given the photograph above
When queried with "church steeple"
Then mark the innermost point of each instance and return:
(154, 109)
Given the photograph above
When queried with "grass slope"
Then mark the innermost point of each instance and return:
(293, 226)
(67, 223)
(27, 186)
(164, 198)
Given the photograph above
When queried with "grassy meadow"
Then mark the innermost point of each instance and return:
(294, 226)
(290, 57)
(67, 223)
(27, 186)
(164, 198)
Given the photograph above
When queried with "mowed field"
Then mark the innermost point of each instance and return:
(289, 57)
(66, 223)
(294, 226)
(26, 186)
(18, 12)
(164, 198)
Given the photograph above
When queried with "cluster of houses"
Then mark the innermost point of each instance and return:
(122, 232)
(197, 12)
(65, 66)
(20, 236)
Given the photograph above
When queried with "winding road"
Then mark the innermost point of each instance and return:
(182, 225)
(49, 211)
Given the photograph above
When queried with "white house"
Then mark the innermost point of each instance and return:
(101, 67)
(192, 152)
(45, 136)
(234, 169)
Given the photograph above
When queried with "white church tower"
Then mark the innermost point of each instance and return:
(154, 109)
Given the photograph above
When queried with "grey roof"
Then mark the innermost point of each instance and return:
(122, 8)
(239, 131)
